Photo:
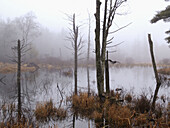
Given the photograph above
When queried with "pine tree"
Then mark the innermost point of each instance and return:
(165, 16)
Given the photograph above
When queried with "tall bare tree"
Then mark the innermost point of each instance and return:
(100, 79)
(19, 51)
(28, 28)
(110, 9)
(77, 44)
(88, 54)
(19, 78)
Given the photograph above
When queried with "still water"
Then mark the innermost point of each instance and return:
(41, 86)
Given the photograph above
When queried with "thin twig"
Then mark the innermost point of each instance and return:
(61, 95)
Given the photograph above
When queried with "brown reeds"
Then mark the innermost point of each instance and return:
(84, 105)
(134, 113)
(165, 71)
(10, 68)
(119, 116)
(45, 112)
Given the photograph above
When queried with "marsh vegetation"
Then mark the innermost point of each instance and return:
(48, 99)
(60, 80)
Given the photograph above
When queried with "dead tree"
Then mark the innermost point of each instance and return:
(100, 78)
(77, 44)
(28, 29)
(107, 72)
(109, 15)
(18, 52)
(107, 75)
(158, 83)
(19, 78)
(88, 56)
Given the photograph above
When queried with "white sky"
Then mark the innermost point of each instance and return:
(50, 13)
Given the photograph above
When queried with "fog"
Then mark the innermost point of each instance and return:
(53, 24)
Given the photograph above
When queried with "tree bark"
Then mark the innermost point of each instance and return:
(88, 56)
(99, 74)
(104, 38)
(158, 83)
(75, 68)
(75, 30)
(18, 79)
(109, 15)
(107, 75)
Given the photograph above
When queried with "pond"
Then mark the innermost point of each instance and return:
(44, 85)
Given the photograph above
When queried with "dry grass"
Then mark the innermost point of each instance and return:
(8, 113)
(9, 118)
(165, 71)
(16, 125)
(47, 111)
(119, 116)
(84, 105)
(128, 98)
(91, 107)
(10, 68)
(139, 65)
(67, 73)
(22, 125)
(136, 112)
(49, 67)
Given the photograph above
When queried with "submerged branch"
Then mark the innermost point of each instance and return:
(60, 95)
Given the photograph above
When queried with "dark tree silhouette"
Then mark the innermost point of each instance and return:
(165, 16)
(77, 44)
(158, 83)
(110, 8)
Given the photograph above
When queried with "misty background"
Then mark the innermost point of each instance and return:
(48, 39)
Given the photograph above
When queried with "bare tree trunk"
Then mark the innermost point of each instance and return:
(74, 120)
(99, 74)
(158, 83)
(88, 56)
(75, 68)
(18, 79)
(75, 29)
(75, 74)
(109, 15)
(77, 44)
(107, 75)
(104, 38)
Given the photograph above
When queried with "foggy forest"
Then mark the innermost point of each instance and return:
(106, 65)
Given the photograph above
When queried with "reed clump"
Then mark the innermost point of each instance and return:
(45, 112)
(119, 116)
(85, 105)
(21, 124)
(165, 71)
(112, 111)
(9, 117)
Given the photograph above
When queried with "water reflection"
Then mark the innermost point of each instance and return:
(42, 86)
